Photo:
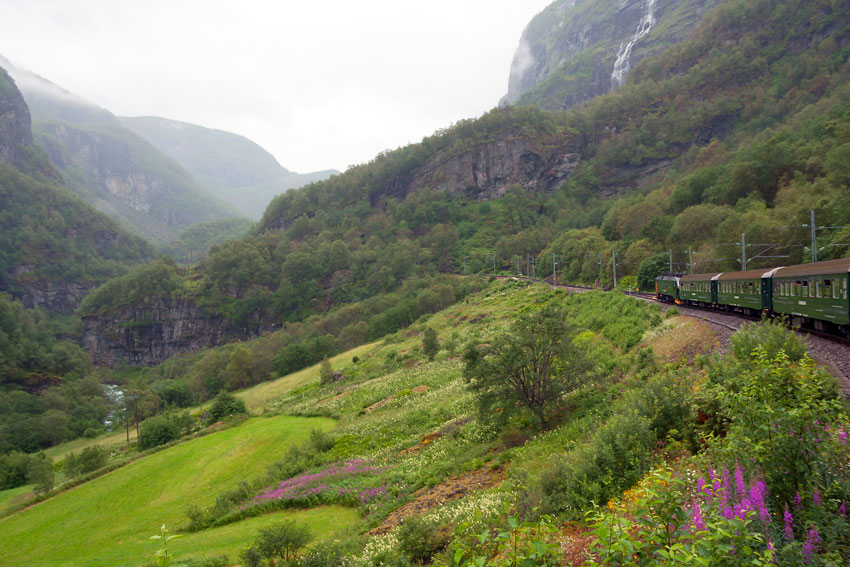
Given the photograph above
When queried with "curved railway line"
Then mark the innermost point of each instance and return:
(832, 352)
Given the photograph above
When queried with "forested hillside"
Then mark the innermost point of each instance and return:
(743, 127)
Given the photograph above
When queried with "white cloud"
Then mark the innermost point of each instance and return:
(319, 84)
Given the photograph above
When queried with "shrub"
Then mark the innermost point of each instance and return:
(158, 430)
(430, 344)
(251, 557)
(664, 401)
(420, 539)
(326, 373)
(282, 540)
(13, 469)
(594, 473)
(772, 337)
(89, 460)
(223, 405)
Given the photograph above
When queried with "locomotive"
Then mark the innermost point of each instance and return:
(809, 295)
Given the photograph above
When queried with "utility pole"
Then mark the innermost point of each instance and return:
(554, 270)
(136, 412)
(600, 268)
(533, 265)
(814, 240)
(671, 261)
(494, 265)
(464, 265)
(517, 265)
(127, 419)
(614, 265)
(744, 252)
(527, 265)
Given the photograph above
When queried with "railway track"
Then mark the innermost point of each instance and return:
(830, 351)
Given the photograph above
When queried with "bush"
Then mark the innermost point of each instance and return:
(89, 460)
(324, 556)
(282, 540)
(158, 430)
(223, 405)
(772, 337)
(594, 473)
(430, 344)
(13, 469)
(664, 401)
(420, 539)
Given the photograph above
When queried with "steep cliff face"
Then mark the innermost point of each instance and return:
(149, 333)
(15, 126)
(578, 49)
(488, 170)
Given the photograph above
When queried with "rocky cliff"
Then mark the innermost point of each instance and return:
(149, 333)
(578, 49)
(15, 127)
(488, 170)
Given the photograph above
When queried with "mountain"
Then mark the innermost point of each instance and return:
(54, 247)
(743, 127)
(575, 50)
(231, 167)
(111, 167)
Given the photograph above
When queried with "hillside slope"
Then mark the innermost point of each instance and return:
(231, 167)
(111, 167)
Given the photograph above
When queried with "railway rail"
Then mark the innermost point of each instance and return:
(831, 351)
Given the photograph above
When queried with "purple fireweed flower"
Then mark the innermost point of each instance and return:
(789, 525)
(842, 436)
(697, 523)
(740, 484)
(842, 510)
(810, 546)
(798, 500)
(728, 513)
(758, 492)
(816, 498)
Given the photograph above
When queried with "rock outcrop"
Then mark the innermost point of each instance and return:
(575, 50)
(149, 333)
(489, 169)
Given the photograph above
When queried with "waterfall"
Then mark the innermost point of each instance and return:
(621, 65)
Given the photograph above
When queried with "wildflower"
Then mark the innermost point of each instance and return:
(740, 485)
(697, 522)
(842, 510)
(789, 525)
(816, 498)
(810, 546)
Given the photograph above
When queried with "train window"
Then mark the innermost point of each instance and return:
(827, 288)
(805, 288)
(798, 288)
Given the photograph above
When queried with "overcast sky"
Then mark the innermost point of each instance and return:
(322, 84)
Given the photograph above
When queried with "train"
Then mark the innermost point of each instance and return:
(809, 295)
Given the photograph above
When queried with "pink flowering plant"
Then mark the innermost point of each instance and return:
(664, 524)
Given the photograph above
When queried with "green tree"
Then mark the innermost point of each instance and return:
(533, 365)
(326, 374)
(282, 540)
(430, 345)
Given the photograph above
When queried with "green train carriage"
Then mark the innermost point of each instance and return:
(698, 289)
(814, 295)
(747, 292)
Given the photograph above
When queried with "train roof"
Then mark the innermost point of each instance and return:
(700, 277)
(830, 267)
(748, 275)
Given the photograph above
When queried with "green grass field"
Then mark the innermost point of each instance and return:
(107, 521)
